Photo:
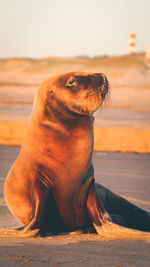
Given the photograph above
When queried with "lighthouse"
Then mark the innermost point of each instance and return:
(132, 43)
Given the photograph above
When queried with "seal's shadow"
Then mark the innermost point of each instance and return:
(123, 212)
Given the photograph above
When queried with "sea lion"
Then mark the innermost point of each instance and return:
(51, 186)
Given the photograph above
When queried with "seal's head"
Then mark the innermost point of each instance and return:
(75, 92)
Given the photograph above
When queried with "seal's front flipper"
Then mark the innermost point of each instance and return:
(111, 231)
(18, 233)
(33, 228)
(95, 208)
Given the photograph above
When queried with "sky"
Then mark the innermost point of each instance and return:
(65, 28)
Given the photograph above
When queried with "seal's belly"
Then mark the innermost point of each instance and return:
(73, 214)
(71, 203)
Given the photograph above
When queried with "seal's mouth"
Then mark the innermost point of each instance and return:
(99, 88)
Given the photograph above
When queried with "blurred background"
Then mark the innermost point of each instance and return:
(42, 38)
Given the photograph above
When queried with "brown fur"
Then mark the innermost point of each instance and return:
(51, 186)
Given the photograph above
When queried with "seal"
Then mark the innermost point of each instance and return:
(51, 186)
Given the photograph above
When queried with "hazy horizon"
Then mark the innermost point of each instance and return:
(61, 28)
(71, 57)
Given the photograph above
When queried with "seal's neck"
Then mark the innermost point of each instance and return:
(58, 122)
(59, 116)
(68, 141)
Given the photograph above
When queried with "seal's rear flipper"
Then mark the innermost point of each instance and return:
(122, 211)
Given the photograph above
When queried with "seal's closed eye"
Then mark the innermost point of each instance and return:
(72, 81)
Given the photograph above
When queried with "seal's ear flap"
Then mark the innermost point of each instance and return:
(52, 90)
(51, 93)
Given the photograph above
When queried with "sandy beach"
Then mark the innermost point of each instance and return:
(124, 173)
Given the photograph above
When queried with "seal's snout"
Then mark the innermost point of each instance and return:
(100, 79)
(102, 84)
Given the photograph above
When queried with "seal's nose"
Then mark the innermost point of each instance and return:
(100, 79)
(103, 84)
